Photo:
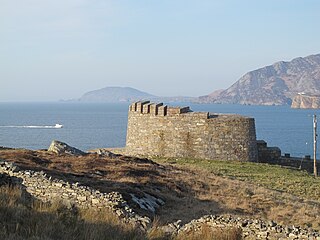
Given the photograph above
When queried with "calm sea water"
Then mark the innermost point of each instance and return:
(88, 126)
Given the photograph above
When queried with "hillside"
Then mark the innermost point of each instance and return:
(210, 97)
(276, 84)
(256, 197)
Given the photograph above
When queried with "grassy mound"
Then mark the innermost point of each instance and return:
(298, 183)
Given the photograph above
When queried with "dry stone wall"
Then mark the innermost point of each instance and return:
(158, 130)
(48, 189)
(251, 228)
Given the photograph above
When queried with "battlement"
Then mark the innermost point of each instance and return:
(155, 129)
(147, 108)
(157, 109)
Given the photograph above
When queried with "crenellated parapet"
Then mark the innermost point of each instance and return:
(155, 129)
(157, 109)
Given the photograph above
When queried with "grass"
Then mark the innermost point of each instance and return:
(298, 183)
(190, 188)
(25, 218)
(206, 232)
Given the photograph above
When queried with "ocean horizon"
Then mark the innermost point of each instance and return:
(87, 126)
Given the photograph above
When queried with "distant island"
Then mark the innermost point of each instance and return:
(283, 83)
(126, 94)
(114, 94)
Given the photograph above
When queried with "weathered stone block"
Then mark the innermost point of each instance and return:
(162, 110)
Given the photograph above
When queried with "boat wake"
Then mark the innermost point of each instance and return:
(55, 126)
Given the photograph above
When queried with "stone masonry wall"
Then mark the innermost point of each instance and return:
(158, 130)
(251, 228)
(48, 189)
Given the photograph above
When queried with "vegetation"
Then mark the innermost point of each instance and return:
(298, 183)
(25, 218)
(190, 188)
(206, 232)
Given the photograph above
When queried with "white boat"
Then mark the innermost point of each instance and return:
(58, 125)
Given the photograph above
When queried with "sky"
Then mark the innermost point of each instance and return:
(60, 49)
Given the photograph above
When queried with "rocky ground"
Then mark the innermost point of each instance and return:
(141, 190)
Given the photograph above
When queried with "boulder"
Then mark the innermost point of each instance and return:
(147, 202)
(61, 147)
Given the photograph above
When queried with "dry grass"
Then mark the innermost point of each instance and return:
(245, 191)
(25, 218)
(295, 182)
(206, 232)
(190, 188)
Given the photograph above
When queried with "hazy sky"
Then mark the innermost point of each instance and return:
(60, 49)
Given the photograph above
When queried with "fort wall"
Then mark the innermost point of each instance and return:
(159, 130)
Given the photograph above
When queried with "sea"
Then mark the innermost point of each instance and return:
(103, 125)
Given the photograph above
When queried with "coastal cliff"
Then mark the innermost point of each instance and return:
(306, 101)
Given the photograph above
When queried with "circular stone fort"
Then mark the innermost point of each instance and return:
(157, 130)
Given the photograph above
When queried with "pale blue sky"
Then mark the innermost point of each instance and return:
(60, 49)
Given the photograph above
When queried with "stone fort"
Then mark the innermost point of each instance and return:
(155, 129)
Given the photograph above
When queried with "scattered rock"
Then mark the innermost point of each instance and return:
(104, 152)
(61, 147)
(147, 202)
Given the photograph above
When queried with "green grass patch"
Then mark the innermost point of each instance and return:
(298, 183)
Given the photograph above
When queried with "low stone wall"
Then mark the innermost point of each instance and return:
(267, 154)
(48, 189)
(251, 229)
(302, 163)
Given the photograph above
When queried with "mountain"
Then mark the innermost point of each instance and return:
(127, 94)
(276, 84)
(115, 94)
(208, 98)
